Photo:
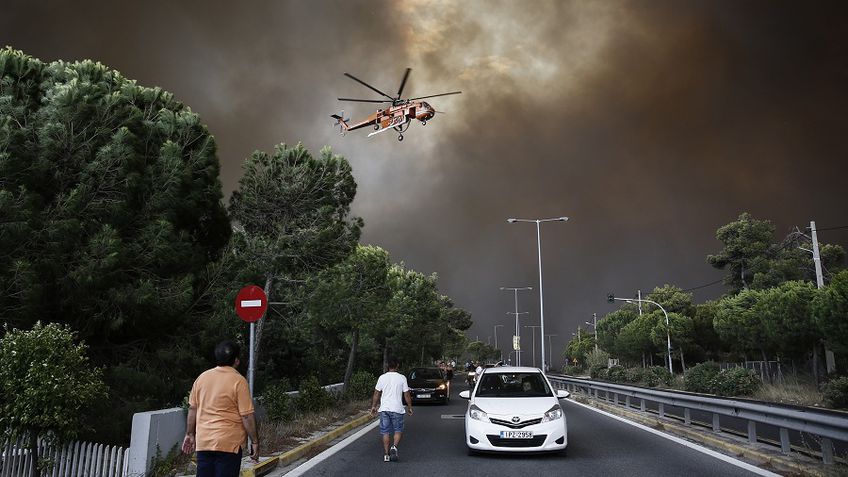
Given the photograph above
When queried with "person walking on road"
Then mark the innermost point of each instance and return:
(220, 417)
(390, 391)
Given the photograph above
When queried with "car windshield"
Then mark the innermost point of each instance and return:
(511, 385)
(425, 373)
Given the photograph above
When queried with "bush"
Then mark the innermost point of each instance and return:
(617, 374)
(312, 397)
(635, 375)
(597, 357)
(595, 370)
(572, 370)
(656, 375)
(699, 379)
(278, 404)
(735, 382)
(603, 374)
(836, 392)
(361, 386)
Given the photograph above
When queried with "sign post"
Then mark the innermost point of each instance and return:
(251, 304)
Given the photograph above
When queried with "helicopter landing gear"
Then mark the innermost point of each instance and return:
(376, 126)
(423, 123)
(400, 137)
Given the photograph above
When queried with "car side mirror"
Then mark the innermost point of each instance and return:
(561, 394)
(465, 394)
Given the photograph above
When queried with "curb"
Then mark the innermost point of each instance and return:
(298, 452)
(723, 444)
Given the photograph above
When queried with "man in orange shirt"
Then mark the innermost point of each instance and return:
(220, 417)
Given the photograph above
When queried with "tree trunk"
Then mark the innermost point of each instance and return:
(349, 371)
(682, 361)
(765, 358)
(386, 355)
(643, 359)
(33, 447)
(260, 325)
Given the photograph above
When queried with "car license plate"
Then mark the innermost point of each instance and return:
(423, 396)
(516, 434)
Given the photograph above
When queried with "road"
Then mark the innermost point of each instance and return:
(433, 445)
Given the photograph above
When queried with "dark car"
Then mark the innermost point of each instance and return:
(428, 385)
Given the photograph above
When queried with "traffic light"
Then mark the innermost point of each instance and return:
(610, 298)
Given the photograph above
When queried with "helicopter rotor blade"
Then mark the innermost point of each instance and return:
(403, 82)
(434, 95)
(366, 100)
(363, 83)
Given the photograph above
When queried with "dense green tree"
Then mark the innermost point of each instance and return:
(786, 312)
(682, 334)
(610, 326)
(579, 348)
(634, 341)
(746, 242)
(482, 352)
(830, 309)
(352, 294)
(740, 326)
(292, 219)
(47, 386)
(110, 210)
(707, 344)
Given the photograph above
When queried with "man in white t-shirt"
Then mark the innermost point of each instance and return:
(390, 391)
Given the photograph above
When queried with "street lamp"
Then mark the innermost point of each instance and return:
(539, 247)
(515, 290)
(611, 298)
(534, 342)
(496, 341)
(551, 348)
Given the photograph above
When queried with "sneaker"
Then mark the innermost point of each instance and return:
(386, 458)
(393, 454)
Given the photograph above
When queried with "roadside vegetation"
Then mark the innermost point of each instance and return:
(772, 323)
(113, 225)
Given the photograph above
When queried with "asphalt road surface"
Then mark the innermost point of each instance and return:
(433, 445)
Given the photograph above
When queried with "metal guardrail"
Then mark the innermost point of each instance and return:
(826, 424)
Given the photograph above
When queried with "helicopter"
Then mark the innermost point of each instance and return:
(398, 116)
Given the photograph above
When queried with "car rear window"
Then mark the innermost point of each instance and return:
(425, 374)
(513, 385)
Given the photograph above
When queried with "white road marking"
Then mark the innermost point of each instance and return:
(301, 469)
(251, 303)
(704, 450)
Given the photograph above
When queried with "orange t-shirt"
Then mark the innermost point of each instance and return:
(221, 397)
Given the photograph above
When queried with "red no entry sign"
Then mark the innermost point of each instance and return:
(251, 303)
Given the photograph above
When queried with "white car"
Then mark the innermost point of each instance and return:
(514, 409)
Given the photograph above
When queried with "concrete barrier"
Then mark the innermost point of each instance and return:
(151, 431)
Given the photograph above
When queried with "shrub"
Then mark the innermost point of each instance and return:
(656, 375)
(699, 379)
(603, 374)
(617, 374)
(595, 370)
(635, 375)
(836, 392)
(361, 385)
(735, 382)
(278, 404)
(597, 357)
(312, 397)
(572, 370)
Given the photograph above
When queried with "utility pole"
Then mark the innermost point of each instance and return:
(551, 349)
(639, 302)
(594, 325)
(816, 256)
(534, 341)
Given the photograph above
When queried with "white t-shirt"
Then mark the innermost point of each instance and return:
(392, 385)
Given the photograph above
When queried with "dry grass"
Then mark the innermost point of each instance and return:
(282, 436)
(797, 390)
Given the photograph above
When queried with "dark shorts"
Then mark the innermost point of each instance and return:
(390, 423)
(218, 464)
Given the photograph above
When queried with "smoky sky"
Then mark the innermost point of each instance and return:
(649, 124)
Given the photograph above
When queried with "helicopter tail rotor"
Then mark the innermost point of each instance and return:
(341, 122)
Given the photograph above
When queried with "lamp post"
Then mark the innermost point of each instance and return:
(611, 298)
(594, 325)
(551, 348)
(496, 341)
(534, 341)
(538, 223)
(515, 291)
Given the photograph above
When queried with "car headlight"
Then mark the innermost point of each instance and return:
(553, 414)
(442, 386)
(477, 413)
